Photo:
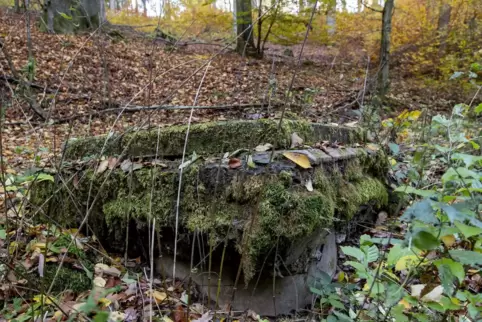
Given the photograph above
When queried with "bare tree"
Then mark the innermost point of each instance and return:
(383, 80)
(112, 4)
(331, 16)
(443, 26)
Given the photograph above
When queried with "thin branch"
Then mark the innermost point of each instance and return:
(178, 202)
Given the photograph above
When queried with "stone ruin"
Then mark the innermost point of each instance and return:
(260, 220)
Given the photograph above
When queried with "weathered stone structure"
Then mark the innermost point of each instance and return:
(242, 217)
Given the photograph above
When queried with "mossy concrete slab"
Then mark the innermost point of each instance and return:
(209, 138)
(253, 207)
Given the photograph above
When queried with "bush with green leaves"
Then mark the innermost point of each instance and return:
(428, 266)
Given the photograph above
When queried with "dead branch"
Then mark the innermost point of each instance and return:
(138, 108)
(15, 80)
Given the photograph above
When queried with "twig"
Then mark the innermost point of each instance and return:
(178, 202)
(17, 80)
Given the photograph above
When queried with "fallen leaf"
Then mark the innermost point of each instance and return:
(298, 158)
(179, 315)
(206, 317)
(263, 148)
(102, 167)
(99, 281)
(105, 302)
(296, 141)
(251, 163)
(116, 316)
(309, 185)
(435, 295)
(112, 162)
(158, 296)
(126, 165)
(352, 124)
(234, 163)
(405, 304)
(373, 147)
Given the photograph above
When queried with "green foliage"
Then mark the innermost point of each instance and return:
(442, 182)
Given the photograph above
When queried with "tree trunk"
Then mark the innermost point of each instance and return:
(144, 7)
(16, 6)
(260, 28)
(244, 21)
(359, 5)
(331, 17)
(71, 16)
(383, 81)
(301, 6)
(102, 15)
(443, 26)
(112, 5)
(343, 5)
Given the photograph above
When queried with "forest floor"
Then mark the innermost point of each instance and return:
(79, 75)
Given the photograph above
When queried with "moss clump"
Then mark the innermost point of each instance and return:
(352, 195)
(286, 178)
(205, 138)
(245, 188)
(92, 147)
(286, 215)
(67, 279)
(232, 135)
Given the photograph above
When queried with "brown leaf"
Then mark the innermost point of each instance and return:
(179, 315)
(234, 163)
(112, 162)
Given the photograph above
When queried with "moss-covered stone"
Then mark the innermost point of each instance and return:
(254, 209)
(211, 138)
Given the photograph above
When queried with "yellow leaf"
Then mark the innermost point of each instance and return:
(52, 259)
(341, 277)
(105, 302)
(448, 240)
(298, 158)
(405, 262)
(414, 115)
(38, 245)
(393, 162)
(405, 304)
(57, 315)
(159, 296)
(38, 299)
(12, 247)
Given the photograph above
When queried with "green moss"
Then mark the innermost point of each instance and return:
(228, 136)
(256, 210)
(245, 188)
(286, 215)
(92, 146)
(286, 178)
(354, 171)
(67, 279)
(353, 195)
